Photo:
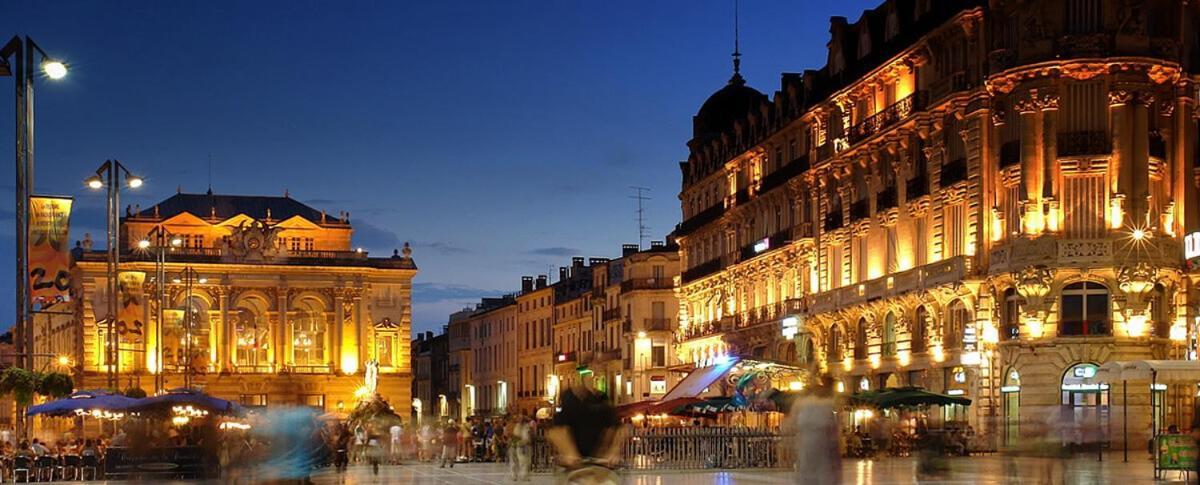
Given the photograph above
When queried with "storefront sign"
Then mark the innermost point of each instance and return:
(129, 306)
(49, 257)
(762, 245)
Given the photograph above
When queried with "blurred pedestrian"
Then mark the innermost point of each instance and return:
(374, 453)
(587, 436)
(818, 461)
(519, 446)
(449, 444)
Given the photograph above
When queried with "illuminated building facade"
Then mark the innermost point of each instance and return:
(980, 198)
(265, 302)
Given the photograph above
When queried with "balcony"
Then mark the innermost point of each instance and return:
(611, 314)
(646, 284)
(916, 187)
(656, 324)
(953, 172)
(860, 209)
(701, 219)
(948, 271)
(782, 174)
(1085, 328)
(768, 313)
(1010, 153)
(882, 120)
(705, 329)
(833, 220)
(703, 269)
(1158, 146)
(886, 199)
(1053, 251)
(1083, 143)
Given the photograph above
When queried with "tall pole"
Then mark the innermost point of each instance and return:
(23, 141)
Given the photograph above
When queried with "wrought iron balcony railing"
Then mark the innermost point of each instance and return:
(890, 115)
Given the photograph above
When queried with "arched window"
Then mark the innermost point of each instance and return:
(860, 339)
(955, 325)
(833, 350)
(888, 348)
(804, 349)
(253, 332)
(919, 326)
(1010, 316)
(1085, 310)
(308, 334)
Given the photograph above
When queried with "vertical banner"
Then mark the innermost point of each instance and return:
(129, 306)
(49, 258)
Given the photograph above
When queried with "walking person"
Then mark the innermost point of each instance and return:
(374, 452)
(815, 441)
(449, 444)
(587, 437)
(519, 446)
(395, 433)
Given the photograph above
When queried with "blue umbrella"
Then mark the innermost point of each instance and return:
(183, 396)
(83, 401)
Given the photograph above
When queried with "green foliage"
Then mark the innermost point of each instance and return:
(20, 383)
(55, 385)
(135, 392)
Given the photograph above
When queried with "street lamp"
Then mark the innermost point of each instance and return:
(159, 240)
(21, 52)
(188, 277)
(108, 175)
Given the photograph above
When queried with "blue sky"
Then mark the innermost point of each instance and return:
(500, 138)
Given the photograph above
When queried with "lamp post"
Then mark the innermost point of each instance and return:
(21, 51)
(188, 277)
(108, 176)
(159, 240)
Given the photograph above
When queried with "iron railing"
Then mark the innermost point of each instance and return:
(689, 449)
(883, 119)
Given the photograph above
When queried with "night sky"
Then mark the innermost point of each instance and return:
(499, 137)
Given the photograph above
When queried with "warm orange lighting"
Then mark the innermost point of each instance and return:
(349, 363)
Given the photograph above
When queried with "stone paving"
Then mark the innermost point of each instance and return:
(969, 470)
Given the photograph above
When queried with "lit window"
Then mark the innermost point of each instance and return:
(658, 385)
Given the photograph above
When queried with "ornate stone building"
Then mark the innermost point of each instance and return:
(986, 198)
(265, 302)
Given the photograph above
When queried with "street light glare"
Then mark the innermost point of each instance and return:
(94, 182)
(54, 69)
(176, 241)
(134, 181)
(144, 243)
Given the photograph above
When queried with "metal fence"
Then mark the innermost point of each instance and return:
(689, 449)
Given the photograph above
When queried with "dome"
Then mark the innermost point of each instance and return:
(726, 106)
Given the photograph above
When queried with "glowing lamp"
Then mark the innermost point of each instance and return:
(939, 355)
(54, 69)
(94, 182)
(1178, 333)
(349, 364)
(795, 386)
(134, 181)
(143, 244)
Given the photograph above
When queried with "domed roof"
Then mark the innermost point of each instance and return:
(726, 106)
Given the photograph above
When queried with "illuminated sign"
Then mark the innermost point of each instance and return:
(1085, 371)
(955, 392)
(791, 326)
(762, 245)
(1191, 245)
(1010, 389)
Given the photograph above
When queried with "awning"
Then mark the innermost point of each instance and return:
(652, 406)
(894, 397)
(699, 380)
(1161, 371)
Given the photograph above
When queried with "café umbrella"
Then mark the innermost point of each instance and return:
(186, 397)
(84, 401)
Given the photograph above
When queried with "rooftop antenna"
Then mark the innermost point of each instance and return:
(737, 51)
(640, 197)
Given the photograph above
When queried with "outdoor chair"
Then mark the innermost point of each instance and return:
(72, 464)
(89, 462)
(43, 468)
(22, 464)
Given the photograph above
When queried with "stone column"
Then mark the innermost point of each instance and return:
(360, 330)
(1140, 188)
(1119, 165)
(281, 335)
(1187, 215)
(1050, 182)
(227, 332)
(339, 319)
(1031, 166)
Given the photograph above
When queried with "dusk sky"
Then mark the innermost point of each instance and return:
(499, 137)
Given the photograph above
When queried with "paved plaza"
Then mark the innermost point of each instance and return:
(970, 470)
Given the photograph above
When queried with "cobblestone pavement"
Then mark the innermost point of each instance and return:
(969, 470)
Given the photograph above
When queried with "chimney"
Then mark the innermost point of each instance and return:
(597, 261)
(657, 244)
(562, 273)
(577, 262)
(541, 281)
(526, 284)
(429, 335)
(627, 249)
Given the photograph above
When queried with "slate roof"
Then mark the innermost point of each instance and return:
(226, 206)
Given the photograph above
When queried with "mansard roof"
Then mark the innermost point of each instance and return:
(221, 207)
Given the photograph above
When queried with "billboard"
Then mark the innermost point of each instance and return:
(49, 257)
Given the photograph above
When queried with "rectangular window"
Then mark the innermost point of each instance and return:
(386, 350)
(658, 385)
(658, 356)
(315, 401)
(253, 400)
(1084, 200)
